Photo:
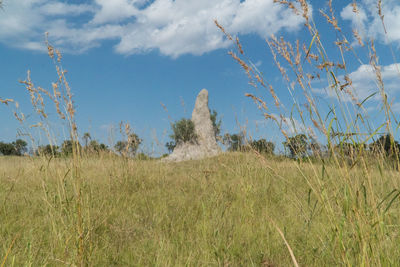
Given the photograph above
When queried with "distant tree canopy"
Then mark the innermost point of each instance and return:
(95, 146)
(234, 142)
(385, 144)
(129, 147)
(263, 146)
(350, 149)
(48, 150)
(297, 145)
(67, 147)
(17, 148)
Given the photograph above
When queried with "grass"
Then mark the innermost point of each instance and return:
(198, 213)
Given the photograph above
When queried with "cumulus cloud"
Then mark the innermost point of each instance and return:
(138, 26)
(364, 83)
(368, 22)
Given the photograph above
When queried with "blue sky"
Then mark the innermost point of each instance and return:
(126, 57)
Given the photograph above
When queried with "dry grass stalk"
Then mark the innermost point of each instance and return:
(6, 101)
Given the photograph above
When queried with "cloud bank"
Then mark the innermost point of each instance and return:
(368, 22)
(139, 26)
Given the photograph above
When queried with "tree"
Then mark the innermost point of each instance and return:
(130, 146)
(67, 147)
(7, 149)
(350, 149)
(183, 132)
(216, 123)
(297, 145)
(170, 146)
(47, 150)
(385, 144)
(86, 137)
(17, 148)
(20, 147)
(235, 142)
(95, 146)
(263, 146)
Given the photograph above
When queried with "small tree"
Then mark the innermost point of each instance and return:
(263, 146)
(67, 147)
(7, 149)
(20, 147)
(235, 142)
(86, 137)
(95, 146)
(385, 144)
(183, 132)
(297, 145)
(47, 150)
(216, 124)
(130, 146)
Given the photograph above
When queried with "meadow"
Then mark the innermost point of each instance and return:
(237, 209)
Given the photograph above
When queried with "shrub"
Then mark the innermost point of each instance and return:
(235, 142)
(183, 132)
(297, 145)
(263, 146)
(130, 146)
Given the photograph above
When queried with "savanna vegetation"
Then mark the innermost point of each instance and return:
(331, 200)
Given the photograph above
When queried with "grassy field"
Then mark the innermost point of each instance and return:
(224, 211)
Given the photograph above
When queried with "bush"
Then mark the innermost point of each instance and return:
(235, 142)
(17, 148)
(263, 146)
(183, 132)
(48, 150)
(297, 145)
(130, 146)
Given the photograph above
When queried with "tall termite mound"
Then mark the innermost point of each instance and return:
(206, 144)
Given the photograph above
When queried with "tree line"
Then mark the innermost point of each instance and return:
(183, 130)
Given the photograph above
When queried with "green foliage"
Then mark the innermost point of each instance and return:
(297, 145)
(17, 148)
(263, 146)
(183, 131)
(385, 144)
(350, 149)
(235, 142)
(20, 147)
(216, 123)
(95, 146)
(129, 147)
(7, 149)
(66, 147)
(48, 150)
(170, 146)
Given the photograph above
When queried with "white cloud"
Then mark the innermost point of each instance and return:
(59, 8)
(114, 11)
(364, 83)
(368, 21)
(138, 26)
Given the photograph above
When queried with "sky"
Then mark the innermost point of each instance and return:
(144, 61)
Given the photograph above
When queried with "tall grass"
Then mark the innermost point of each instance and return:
(358, 222)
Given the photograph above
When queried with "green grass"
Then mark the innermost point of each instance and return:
(200, 213)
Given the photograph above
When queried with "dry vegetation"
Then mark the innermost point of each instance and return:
(238, 209)
(221, 211)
